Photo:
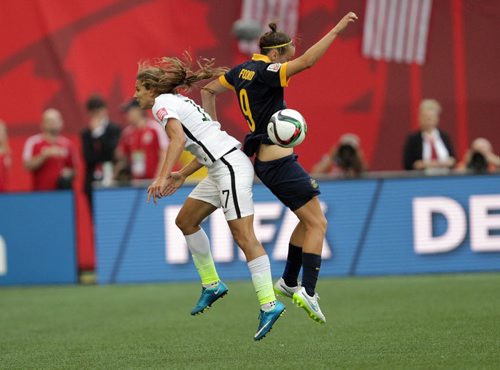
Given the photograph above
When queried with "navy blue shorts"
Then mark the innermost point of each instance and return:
(286, 178)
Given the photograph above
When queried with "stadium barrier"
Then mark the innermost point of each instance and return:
(37, 238)
(377, 226)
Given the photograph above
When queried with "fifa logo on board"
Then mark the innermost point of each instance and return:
(273, 224)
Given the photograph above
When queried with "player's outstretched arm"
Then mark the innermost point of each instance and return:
(315, 52)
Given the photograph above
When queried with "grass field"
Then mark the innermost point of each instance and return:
(449, 321)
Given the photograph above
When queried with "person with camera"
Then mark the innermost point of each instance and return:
(480, 158)
(345, 159)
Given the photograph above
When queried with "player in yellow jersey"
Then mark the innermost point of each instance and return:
(259, 86)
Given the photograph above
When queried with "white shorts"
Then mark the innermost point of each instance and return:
(228, 185)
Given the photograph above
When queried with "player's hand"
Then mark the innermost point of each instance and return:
(174, 182)
(157, 189)
(344, 22)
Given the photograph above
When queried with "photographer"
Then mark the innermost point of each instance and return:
(480, 158)
(345, 158)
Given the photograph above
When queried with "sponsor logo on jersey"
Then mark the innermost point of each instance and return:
(275, 67)
(161, 113)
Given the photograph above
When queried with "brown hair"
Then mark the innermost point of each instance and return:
(273, 39)
(165, 75)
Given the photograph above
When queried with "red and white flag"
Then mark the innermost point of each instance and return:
(284, 12)
(396, 30)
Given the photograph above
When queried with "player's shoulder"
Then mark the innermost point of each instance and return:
(164, 99)
(163, 102)
(272, 67)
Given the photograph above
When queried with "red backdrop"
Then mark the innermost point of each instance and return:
(56, 53)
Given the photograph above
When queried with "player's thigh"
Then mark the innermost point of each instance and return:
(193, 212)
(203, 200)
(207, 191)
(311, 214)
(243, 231)
(288, 180)
(235, 180)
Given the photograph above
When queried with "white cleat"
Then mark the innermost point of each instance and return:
(310, 304)
(280, 288)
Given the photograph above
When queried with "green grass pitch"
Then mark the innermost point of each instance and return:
(424, 322)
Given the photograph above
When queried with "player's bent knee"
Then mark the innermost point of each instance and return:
(184, 224)
(245, 241)
(317, 225)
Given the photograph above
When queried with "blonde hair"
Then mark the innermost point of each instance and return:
(430, 105)
(168, 74)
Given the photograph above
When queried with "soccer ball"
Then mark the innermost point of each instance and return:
(287, 128)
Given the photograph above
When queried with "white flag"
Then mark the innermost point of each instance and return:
(396, 30)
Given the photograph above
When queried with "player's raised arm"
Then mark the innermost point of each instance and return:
(315, 52)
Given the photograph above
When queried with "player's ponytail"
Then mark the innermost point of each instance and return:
(274, 39)
(273, 26)
(168, 74)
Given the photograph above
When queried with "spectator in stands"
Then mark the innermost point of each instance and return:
(5, 159)
(344, 158)
(50, 156)
(142, 146)
(429, 148)
(99, 142)
(480, 158)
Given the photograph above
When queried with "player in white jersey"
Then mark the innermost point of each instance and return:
(227, 186)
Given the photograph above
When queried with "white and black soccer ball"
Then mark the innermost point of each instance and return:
(287, 128)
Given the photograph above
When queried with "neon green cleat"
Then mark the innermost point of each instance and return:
(310, 304)
(280, 288)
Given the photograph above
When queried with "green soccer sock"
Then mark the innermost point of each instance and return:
(199, 246)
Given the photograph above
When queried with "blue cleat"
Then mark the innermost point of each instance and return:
(208, 297)
(267, 320)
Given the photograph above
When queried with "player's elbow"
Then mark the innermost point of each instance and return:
(309, 62)
(207, 93)
(180, 140)
(306, 62)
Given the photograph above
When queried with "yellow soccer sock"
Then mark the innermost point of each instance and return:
(199, 246)
(260, 269)
(206, 268)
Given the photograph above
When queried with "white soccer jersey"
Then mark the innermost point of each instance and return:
(204, 138)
